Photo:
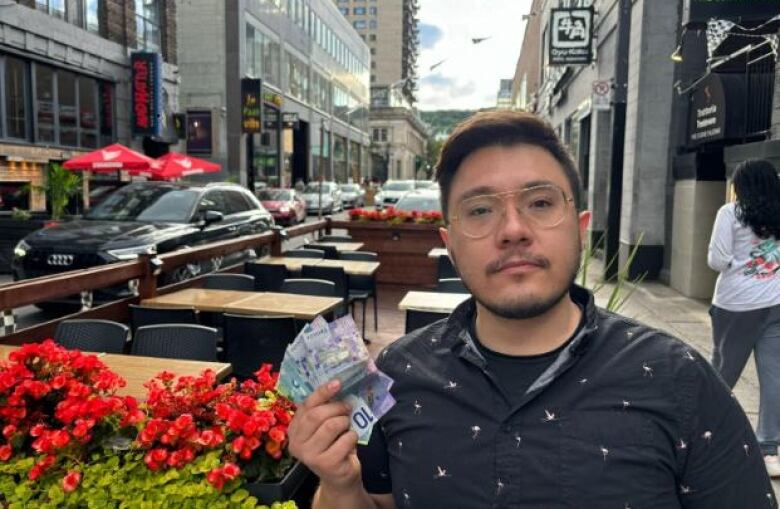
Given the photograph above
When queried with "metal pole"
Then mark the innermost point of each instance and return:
(250, 162)
(615, 182)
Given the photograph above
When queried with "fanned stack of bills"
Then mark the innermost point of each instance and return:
(325, 351)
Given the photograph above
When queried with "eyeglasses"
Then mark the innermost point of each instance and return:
(544, 205)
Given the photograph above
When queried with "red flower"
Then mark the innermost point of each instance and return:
(71, 481)
(5, 452)
(230, 471)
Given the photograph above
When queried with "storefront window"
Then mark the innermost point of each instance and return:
(267, 153)
(106, 113)
(271, 65)
(66, 94)
(44, 97)
(297, 77)
(88, 117)
(339, 159)
(14, 195)
(354, 161)
(147, 24)
(15, 103)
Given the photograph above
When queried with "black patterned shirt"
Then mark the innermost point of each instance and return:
(624, 417)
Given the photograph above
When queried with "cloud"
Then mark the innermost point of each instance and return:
(437, 80)
(429, 35)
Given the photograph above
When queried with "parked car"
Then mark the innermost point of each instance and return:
(426, 184)
(392, 191)
(421, 200)
(141, 217)
(352, 195)
(286, 205)
(325, 197)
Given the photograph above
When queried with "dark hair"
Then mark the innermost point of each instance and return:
(503, 128)
(758, 197)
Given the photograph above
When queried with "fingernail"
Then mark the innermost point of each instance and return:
(333, 384)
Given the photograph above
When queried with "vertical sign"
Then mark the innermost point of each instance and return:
(251, 105)
(571, 36)
(146, 78)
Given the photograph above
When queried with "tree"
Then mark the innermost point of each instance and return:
(60, 186)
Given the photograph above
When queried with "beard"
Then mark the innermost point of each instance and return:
(525, 307)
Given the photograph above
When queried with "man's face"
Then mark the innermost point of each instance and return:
(519, 269)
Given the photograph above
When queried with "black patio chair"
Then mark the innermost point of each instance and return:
(331, 253)
(336, 238)
(141, 316)
(305, 253)
(362, 288)
(176, 341)
(418, 319)
(93, 335)
(254, 340)
(337, 276)
(451, 285)
(303, 286)
(243, 282)
(268, 277)
(445, 269)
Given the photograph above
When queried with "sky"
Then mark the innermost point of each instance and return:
(469, 74)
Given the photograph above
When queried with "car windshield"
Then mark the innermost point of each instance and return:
(314, 188)
(425, 184)
(274, 195)
(146, 203)
(426, 203)
(398, 186)
(349, 188)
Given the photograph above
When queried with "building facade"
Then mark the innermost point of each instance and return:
(653, 179)
(389, 27)
(504, 95)
(314, 70)
(65, 84)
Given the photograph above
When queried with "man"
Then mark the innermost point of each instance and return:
(528, 395)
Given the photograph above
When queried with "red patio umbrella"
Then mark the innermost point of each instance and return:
(108, 159)
(175, 165)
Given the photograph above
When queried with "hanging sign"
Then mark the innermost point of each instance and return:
(251, 105)
(146, 80)
(571, 36)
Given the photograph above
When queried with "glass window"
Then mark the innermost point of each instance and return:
(249, 52)
(298, 77)
(344, 10)
(106, 113)
(54, 7)
(147, 22)
(44, 102)
(359, 24)
(92, 19)
(88, 112)
(372, 11)
(15, 104)
(372, 37)
(271, 57)
(360, 11)
(66, 95)
(14, 195)
(139, 202)
(372, 24)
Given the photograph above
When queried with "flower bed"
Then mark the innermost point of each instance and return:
(392, 216)
(67, 440)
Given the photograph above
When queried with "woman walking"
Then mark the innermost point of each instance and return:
(745, 249)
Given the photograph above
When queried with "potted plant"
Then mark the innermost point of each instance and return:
(69, 441)
(401, 240)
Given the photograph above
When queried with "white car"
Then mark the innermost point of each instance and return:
(420, 200)
(325, 197)
(391, 192)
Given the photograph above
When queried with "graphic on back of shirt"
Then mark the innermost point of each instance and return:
(764, 260)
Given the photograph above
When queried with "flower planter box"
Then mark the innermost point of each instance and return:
(289, 488)
(402, 250)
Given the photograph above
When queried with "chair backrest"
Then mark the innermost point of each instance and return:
(268, 277)
(229, 282)
(303, 286)
(251, 341)
(305, 253)
(93, 335)
(336, 238)
(176, 341)
(331, 253)
(418, 319)
(361, 256)
(445, 269)
(451, 285)
(141, 316)
(336, 275)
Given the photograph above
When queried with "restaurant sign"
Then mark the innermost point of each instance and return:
(571, 36)
(146, 80)
(712, 115)
(251, 105)
(289, 120)
(701, 11)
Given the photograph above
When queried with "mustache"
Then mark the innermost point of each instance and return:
(498, 264)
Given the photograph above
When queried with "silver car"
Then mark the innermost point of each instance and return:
(322, 197)
(392, 191)
(352, 195)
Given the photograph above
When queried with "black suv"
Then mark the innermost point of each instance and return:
(139, 217)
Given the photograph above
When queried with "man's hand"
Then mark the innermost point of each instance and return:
(320, 438)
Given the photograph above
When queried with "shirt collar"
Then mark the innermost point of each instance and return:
(459, 339)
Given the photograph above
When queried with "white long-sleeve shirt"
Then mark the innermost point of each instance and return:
(749, 266)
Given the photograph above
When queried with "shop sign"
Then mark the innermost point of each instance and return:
(273, 98)
(289, 120)
(712, 115)
(571, 36)
(251, 105)
(146, 76)
(601, 95)
(701, 11)
(199, 134)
